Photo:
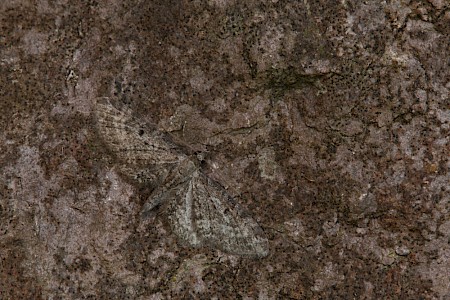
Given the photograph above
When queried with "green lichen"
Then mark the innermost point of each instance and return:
(280, 81)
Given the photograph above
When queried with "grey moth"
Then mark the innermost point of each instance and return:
(199, 210)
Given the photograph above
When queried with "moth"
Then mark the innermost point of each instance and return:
(199, 210)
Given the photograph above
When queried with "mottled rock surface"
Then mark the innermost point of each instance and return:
(329, 121)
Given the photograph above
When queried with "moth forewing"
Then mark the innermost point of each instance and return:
(133, 141)
(221, 224)
(179, 214)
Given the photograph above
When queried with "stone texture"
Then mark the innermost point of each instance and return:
(328, 120)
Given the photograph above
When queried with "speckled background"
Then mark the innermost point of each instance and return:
(328, 120)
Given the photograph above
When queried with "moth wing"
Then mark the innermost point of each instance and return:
(221, 223)
(133, 141)
(179, 205)
(205, 215)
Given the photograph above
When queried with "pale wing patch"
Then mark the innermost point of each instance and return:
(180, 215)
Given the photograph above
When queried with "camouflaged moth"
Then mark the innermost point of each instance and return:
(199, 210)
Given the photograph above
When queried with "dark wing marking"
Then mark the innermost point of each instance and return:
(132, 141)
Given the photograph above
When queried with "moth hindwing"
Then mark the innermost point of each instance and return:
(200, 211)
